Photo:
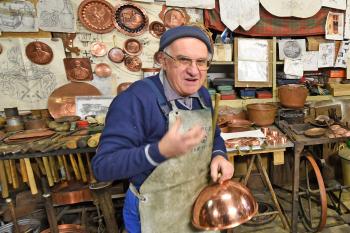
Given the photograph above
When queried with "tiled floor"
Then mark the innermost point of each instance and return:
(335, 223)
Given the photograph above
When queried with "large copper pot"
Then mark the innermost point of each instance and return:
(262, 114)
(223, 206)
(292, 95)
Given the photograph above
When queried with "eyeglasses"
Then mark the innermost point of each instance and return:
(202, 64)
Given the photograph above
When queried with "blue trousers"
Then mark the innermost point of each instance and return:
(131, 214)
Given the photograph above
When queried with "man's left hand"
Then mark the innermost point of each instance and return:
(219, 165)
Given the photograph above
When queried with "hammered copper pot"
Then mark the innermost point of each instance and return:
(262, 114)
(223, 206)
(292, 95)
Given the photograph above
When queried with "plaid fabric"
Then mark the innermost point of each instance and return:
(270, 25)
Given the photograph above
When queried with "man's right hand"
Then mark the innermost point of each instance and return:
(175, 143)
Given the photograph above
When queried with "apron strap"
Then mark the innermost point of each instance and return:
(134, 190)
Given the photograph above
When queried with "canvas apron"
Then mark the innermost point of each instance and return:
(167, 196)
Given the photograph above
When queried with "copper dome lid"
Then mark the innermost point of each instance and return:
(223, 206)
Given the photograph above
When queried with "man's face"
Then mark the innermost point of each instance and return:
(185, 80)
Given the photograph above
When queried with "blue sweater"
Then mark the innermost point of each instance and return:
(134, 126)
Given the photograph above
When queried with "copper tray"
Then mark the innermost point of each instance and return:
(130, 19)
(31, 134)
(315, 132)
(156, 29)
(78, 69)
(132, 46)
(71, 192)
(68, 228)
(96, 15)
(133, 63)
(62, 100)
(174, 17)
(39, 53)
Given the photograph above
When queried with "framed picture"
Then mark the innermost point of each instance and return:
(253, 66)
(92, 105)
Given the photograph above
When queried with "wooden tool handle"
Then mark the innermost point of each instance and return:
(91, 172)
(23, 170)
(75, 167)
(14, 174)
(8, 171)
(31, 179)
(41, 165)
(69, 177)
(61, 167)
(3, 180)
(82, 168)
(53, 168)
(48, 171)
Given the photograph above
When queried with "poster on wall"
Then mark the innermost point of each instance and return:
(92, 105)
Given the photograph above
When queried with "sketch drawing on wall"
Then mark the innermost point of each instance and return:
(18, 16)
(56, 16)
(25, 84)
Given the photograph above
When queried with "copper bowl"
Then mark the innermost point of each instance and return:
(103, 70)
(223, 206)
(262, 114)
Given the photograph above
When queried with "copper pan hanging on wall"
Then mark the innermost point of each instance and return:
(132, 46)
(116, 54)
(130, 19)
(133, 63)
(96, 15)
(103, 70)
(156, 29)
(98, 49)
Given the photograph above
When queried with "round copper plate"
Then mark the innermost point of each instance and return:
(39, 53)
(116, 55)
(173, 17)
(130, 19)
(98, 49)
(133, 63)
(62, 100)
(156, 29)
(132, 46)
(103, 70)
(96, 15)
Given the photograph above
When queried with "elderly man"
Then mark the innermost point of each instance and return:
(159, 135)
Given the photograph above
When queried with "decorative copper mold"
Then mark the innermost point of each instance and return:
(98, 49)
(103, 70)
(174, 17)
(133, 63)
(78, 69)
(132, 46)
(96, 15)
(156, 29)
(130, 19)
(39, 53)
(61, 102)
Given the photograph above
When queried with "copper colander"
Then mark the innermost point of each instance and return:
(223, 206)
